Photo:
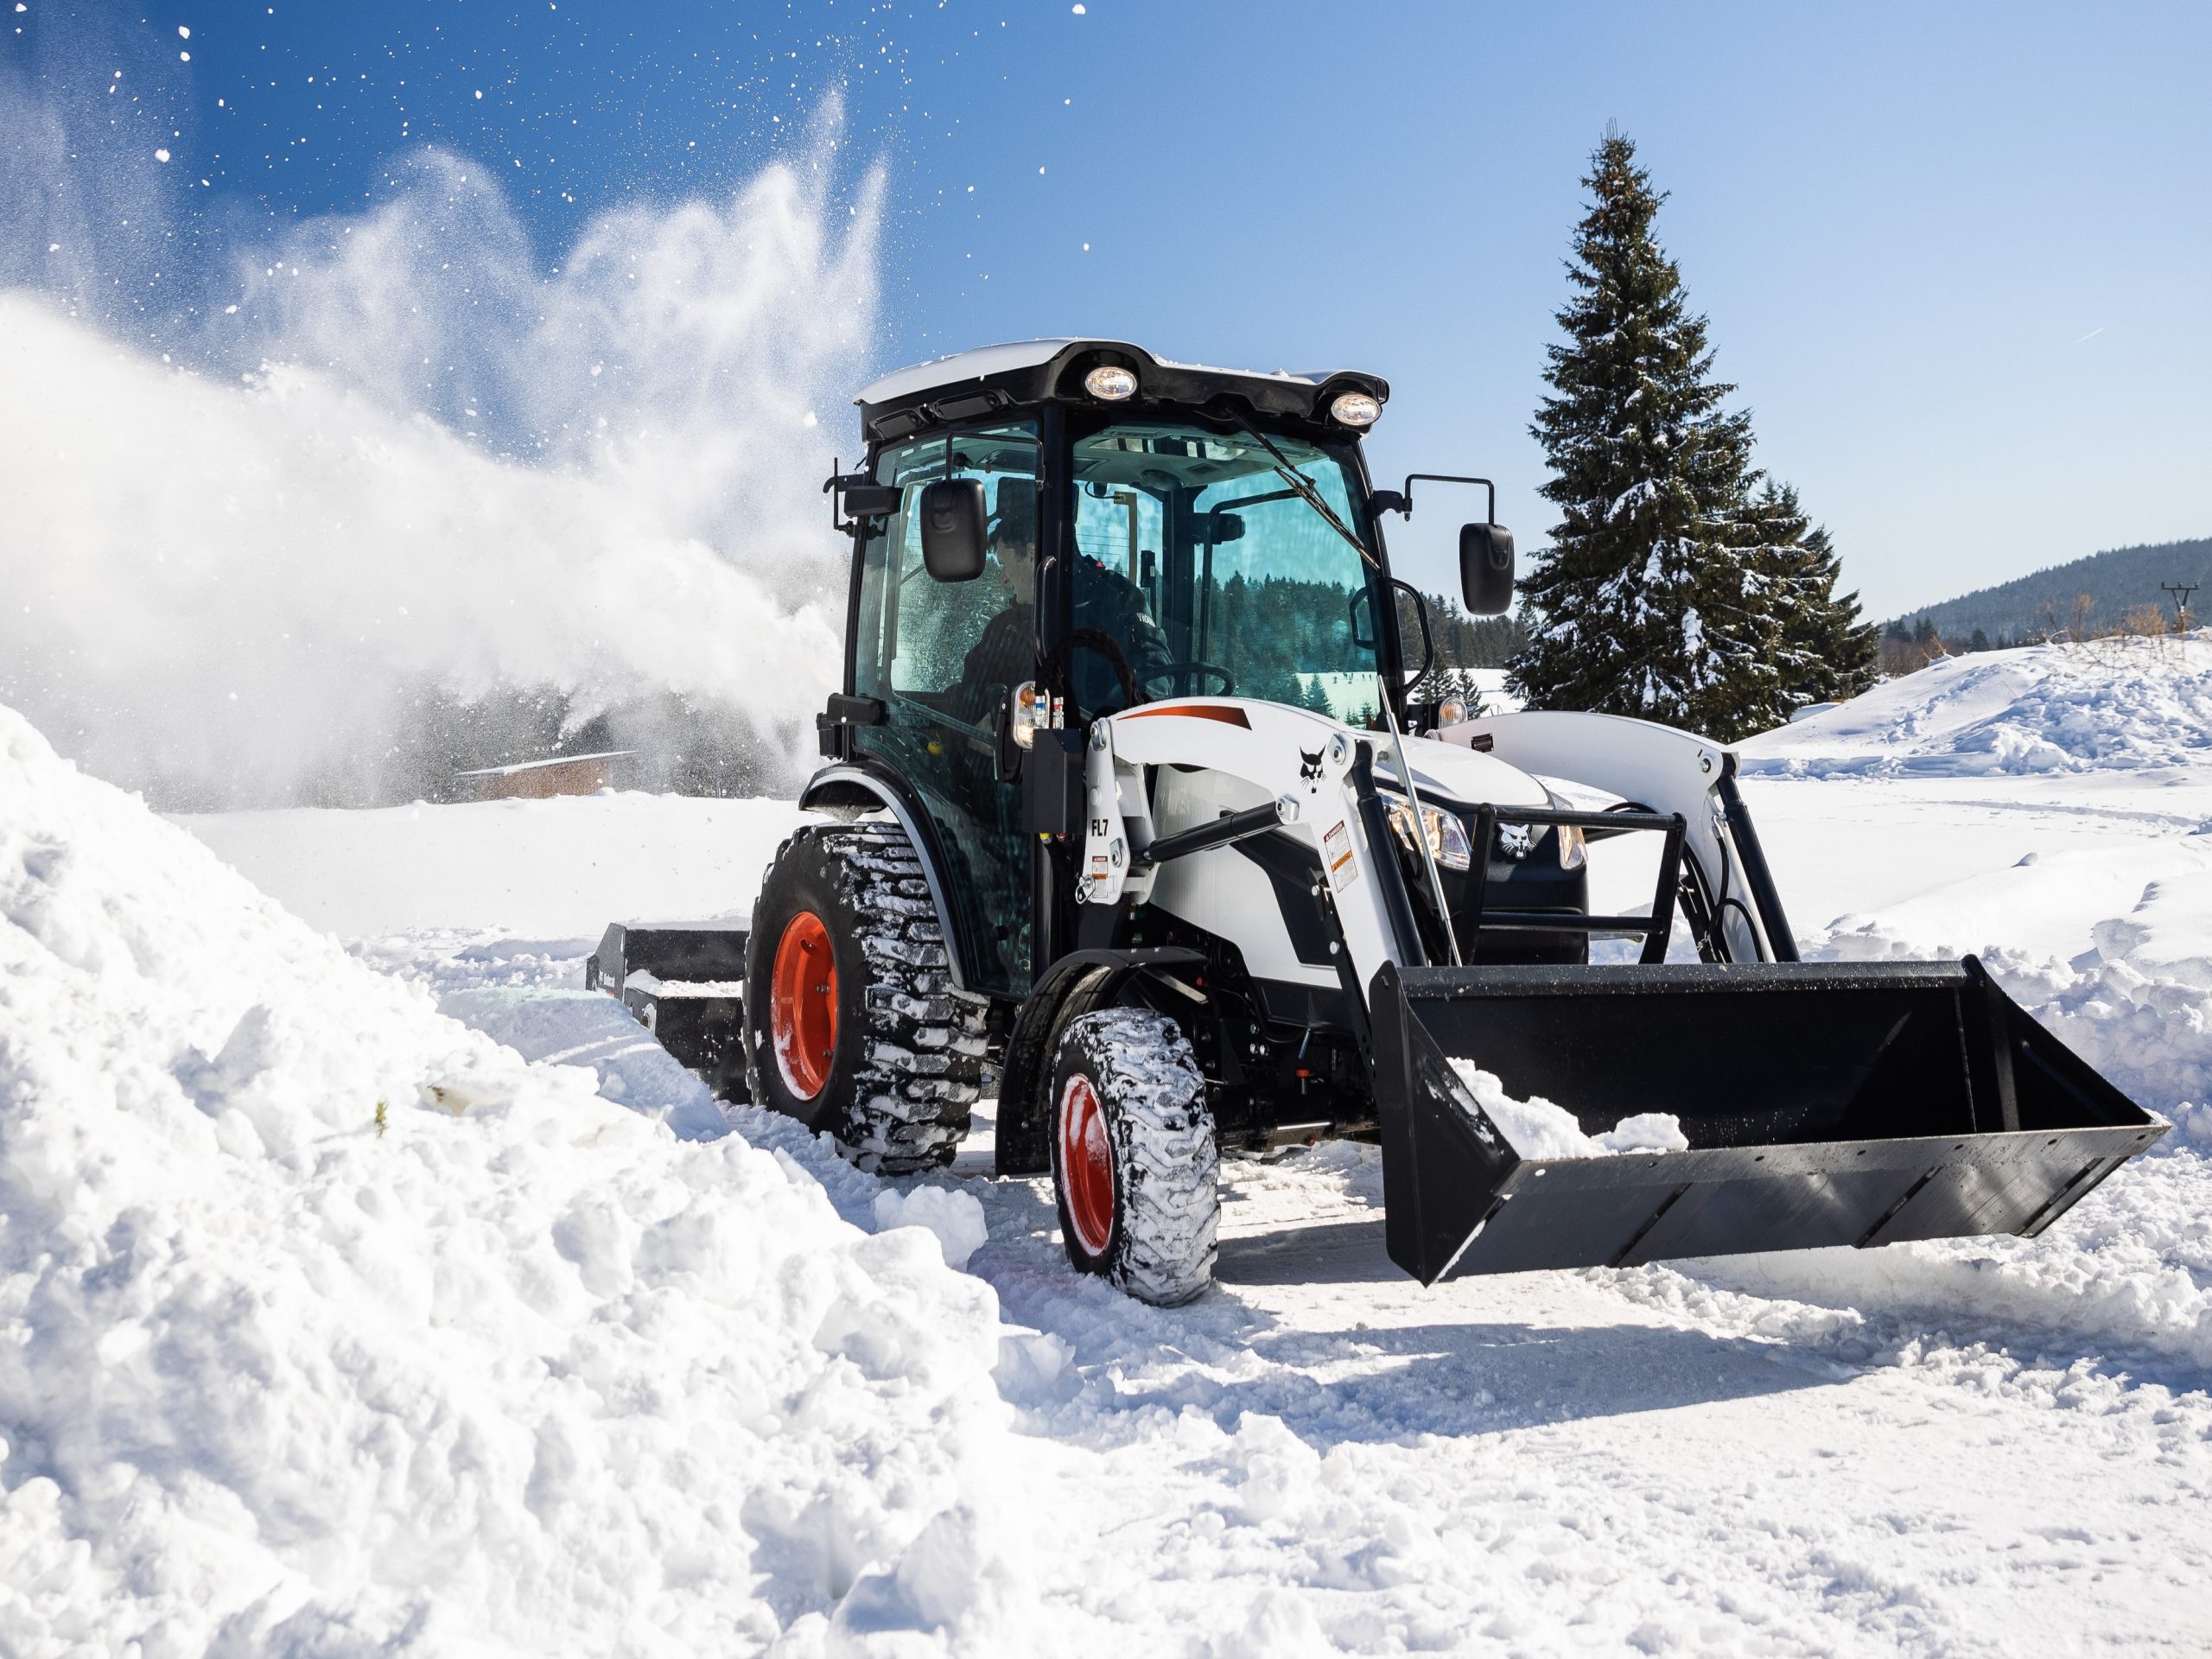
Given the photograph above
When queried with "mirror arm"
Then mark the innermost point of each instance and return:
(1489, 512)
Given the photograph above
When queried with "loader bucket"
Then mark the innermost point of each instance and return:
(1824, 1104)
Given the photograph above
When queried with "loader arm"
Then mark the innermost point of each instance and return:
(1257, 753)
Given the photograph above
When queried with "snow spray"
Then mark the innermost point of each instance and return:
(388, 492)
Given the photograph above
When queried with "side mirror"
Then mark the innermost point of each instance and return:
(952, 529)
(1219, 526)
(1485, 569)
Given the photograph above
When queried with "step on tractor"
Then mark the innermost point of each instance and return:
(1133, 816)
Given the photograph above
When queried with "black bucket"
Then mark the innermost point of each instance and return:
(1824, 1104)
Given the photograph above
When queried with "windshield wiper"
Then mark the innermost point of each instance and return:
(1303, 486)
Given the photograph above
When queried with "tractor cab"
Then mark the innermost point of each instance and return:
(1063, 529)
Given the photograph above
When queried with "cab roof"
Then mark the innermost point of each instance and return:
(1032, 371)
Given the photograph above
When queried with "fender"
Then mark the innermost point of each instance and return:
(848, 790)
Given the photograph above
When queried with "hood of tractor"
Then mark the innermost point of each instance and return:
(1446, 771)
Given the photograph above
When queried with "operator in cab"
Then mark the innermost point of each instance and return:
(1105, 600)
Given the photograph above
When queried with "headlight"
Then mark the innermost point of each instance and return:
(1356, 407)
(1110, 383)
(1573, 850)
(1447, 836)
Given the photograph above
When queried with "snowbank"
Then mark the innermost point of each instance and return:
(2107, 704)
(328, 1324)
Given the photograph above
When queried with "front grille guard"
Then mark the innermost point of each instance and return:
(1654, 929)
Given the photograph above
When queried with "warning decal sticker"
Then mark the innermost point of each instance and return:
(1336, 853)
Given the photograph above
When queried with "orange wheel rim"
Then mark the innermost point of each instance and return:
(1086, 1166)
(803, 1006)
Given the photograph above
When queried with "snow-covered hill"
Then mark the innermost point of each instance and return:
(556, 1374)
(2125, 704)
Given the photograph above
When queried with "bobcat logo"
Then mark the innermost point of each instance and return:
(1311, 770)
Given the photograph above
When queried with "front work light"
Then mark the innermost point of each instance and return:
(1112, 384)
(1027, 714)
(1447, 837)
(1356, 407)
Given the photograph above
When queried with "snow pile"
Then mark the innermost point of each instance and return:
(1538, 1128)
(2123, 704)
(326, 1324)
(555, 870)
(2149, 1032)
(953, 1219)
(2136, 1005)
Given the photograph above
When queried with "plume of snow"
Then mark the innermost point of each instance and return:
(409, 463)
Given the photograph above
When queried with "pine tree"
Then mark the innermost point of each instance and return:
(1657, 596)
(1825, 653)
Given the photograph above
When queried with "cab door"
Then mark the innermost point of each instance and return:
(937, 655)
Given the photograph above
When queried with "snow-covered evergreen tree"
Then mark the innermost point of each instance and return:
(1660, 594)
(1826, 652)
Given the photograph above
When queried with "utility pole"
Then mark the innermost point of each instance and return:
(2181, 591)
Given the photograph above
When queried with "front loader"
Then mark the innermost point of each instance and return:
(1128, 813)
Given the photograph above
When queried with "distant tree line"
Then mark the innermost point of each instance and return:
(1463, 643)
(1907, 647)
(2027, 609)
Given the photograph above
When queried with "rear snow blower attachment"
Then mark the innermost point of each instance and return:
(1136, 821)
(684, 981)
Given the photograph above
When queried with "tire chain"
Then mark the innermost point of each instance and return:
(921, 1070)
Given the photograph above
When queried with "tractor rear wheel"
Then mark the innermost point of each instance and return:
(851, 1022)
(1135, 1167)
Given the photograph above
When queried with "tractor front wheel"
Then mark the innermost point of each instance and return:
(1135, 1167)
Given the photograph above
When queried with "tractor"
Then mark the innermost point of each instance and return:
(1133, 815)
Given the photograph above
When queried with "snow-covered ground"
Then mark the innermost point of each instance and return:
(524, 1370)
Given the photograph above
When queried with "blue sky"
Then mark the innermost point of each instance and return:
(1957, 260)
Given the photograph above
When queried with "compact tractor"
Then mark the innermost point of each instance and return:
(1131, 815)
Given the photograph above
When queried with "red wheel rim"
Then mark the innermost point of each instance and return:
(1086, 1166)
(803, 1006)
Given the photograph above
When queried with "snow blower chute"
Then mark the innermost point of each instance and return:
(1132, 816)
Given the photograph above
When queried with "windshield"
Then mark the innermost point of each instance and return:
(1214, 573)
